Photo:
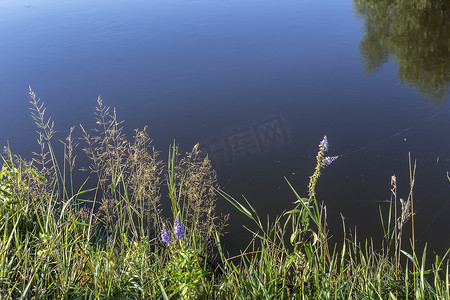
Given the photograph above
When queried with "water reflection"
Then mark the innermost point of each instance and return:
(416, 34)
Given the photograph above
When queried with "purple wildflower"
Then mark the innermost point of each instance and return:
(328, 160)
(83, 212)
(324, 144)
(178, 228)
(165, 237)
(110, 241)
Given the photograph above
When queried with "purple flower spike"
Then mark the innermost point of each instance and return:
(324, 144)
(110, 241)
(165, 237)
(178, 228)
(328, 160)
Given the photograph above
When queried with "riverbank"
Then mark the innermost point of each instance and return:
(114, 241)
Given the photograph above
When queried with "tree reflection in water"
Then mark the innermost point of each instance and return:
(415, 34)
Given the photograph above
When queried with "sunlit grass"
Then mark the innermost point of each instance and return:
(59, 240)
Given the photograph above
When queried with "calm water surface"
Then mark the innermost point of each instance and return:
(258, 84)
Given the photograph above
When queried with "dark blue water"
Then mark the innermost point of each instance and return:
(257, 83)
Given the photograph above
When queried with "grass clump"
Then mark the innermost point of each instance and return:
(62, 237)
(294, 259)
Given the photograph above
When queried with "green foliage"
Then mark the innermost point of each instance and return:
(185, 274)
